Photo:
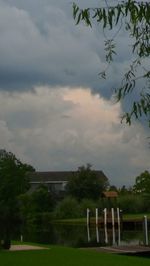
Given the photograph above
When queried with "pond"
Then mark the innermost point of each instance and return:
(83, 236)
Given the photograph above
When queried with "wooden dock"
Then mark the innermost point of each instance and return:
(126, 250)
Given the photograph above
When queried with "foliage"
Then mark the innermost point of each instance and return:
(125, 191)
(13, 182)
(134, 17)
(87, 203)
(142, 183)
(85, 184)
(42, 200)
(67, 208)
(113, 188)
(36, 210)
(132, 204)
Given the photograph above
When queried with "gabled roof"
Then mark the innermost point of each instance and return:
(57, 176)
(110, 194)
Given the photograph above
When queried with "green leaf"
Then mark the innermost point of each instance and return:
(78, 19)
(75, 10)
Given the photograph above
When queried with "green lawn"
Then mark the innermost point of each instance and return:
(62, 256)
(137, 216)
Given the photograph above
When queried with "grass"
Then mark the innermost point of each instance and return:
(131, 217)
(63, 256)
(135, 216)
(70, 221)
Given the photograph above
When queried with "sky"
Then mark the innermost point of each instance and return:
(55, 112)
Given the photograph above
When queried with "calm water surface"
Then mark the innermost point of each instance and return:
(83, 236)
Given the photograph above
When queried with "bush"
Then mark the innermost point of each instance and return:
(131, 203)
(67, 208)
(5, 244)
(87, 203)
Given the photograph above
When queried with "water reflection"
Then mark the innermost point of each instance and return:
(97, 234)
(82, 236)
(88, 233)
(106, 234)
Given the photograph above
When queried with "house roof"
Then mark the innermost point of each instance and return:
(110, 194)
(57, 176)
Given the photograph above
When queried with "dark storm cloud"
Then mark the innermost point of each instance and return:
(40, 44)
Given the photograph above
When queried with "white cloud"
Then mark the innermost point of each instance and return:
(61, 129)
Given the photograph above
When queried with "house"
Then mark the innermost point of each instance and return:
(110, 194)
(55, 181)
(111, 197)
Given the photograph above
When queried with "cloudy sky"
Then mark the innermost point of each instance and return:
(55, 112)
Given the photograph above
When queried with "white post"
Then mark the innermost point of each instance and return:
(118, 219)
(113, 224)
(113, 217)
(97, 234)
(21, 238)
(88, 216)
(88, 233)
(105, 225)
(105, 216)
(96, 213)
(88, 222)
(146, 230)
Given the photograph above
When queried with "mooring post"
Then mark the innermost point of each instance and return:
(96, 214)
(105, 217)
(88, 216)
(146, 230)
(97, 234)
(21, 238)
(118, 219)
(88, 233)
(88, 223)
(105, 225)
(113, 225)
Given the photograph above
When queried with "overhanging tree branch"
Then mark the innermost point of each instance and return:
(135, 17)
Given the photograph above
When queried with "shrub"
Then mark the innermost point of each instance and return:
(67, 208)
(87, 203)
(131, 203)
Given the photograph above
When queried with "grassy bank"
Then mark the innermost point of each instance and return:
(135, 216)
(131, 217)
(62, 256)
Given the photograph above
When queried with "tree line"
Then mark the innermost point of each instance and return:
(21, 210)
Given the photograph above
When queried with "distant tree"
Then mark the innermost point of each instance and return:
(13, 182)
(42, 200)
(86, 184)
(134, 17)
(125, 190)
(67, 208)
(131, 203)
(142, 183)
(90, 204)
(113, 188)
(36, 210)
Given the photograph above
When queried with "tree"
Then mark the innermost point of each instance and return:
(134, 17)
(142, 183)
(13, 182)
(123, 191)
(39, 201)
(67, 208)
(86, 184)
(36, 210)
(42, 200)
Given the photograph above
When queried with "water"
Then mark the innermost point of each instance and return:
(83, 236)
